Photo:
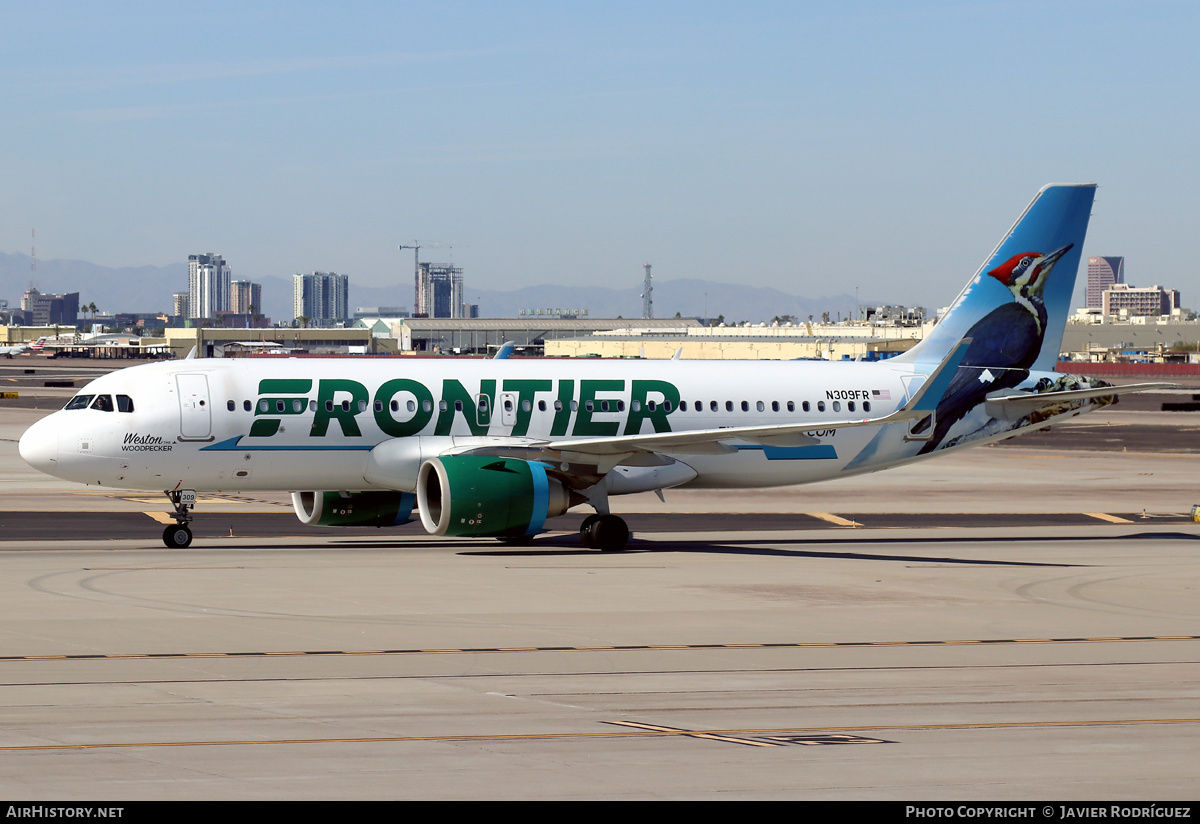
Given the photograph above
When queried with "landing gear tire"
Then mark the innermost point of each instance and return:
(607, 533)
(177, 536)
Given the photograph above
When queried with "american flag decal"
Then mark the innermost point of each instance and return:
(881, 394)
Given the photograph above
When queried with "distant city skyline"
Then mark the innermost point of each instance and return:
(813, 148)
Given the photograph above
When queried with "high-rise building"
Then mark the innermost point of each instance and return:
(179, 304)
(208, 285)
(50, 310)
(439, 291)
(245, 298)
(322, 297)
(1103, 272)
(1134, 300)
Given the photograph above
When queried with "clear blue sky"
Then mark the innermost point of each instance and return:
(814, 147)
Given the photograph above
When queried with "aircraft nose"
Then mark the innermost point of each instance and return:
(39, 446)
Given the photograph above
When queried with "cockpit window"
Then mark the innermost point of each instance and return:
(124, 403)
(103, 403)
(80, 402)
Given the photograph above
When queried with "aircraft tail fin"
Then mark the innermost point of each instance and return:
(1024, 287)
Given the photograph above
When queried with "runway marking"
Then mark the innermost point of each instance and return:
(833, 519)
(1115, 639)
(1112, 519)
(734, 736)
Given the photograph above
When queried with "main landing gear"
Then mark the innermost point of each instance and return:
(608, 533)
(179, 535)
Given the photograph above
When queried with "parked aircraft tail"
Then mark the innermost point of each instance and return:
(1015, 307)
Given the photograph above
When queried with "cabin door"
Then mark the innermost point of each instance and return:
(195, 407)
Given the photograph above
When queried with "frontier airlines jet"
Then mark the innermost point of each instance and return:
(498, 447)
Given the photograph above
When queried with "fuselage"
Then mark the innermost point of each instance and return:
(307, 423)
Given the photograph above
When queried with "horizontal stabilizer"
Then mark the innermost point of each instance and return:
(1039, 399)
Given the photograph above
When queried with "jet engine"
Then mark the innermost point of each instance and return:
(383, 508)
(468, 495)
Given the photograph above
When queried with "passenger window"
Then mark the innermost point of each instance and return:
(728, 406)
(837, 406)
(760, 407)
(230, 405)
(712, 406)
(807, 408)
(850, 406)
(745, 406)
(820, 406)
(246, 405)
(866, 406)
(263, 406)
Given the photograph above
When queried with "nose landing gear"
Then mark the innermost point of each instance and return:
(179, 535)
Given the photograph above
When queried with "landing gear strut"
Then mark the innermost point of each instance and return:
(179, 535)
(608, 533)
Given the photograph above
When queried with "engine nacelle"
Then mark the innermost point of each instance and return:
(466, 495)
(383, 508)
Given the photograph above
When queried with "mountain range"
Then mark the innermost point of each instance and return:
(149, 289)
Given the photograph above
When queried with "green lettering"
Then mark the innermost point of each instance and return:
(342, 411)
(665, 393)
(584, 425)
(562, 415)
(477, 418)
(422, 398)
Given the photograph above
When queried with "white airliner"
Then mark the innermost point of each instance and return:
(22, 348)
(496, 447)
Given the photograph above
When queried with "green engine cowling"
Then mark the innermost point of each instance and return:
(383, 508)
(466, 495)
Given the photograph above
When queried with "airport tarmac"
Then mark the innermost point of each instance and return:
(1006, 623)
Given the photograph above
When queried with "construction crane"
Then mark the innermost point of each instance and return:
(417, 247)
(647, 295)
